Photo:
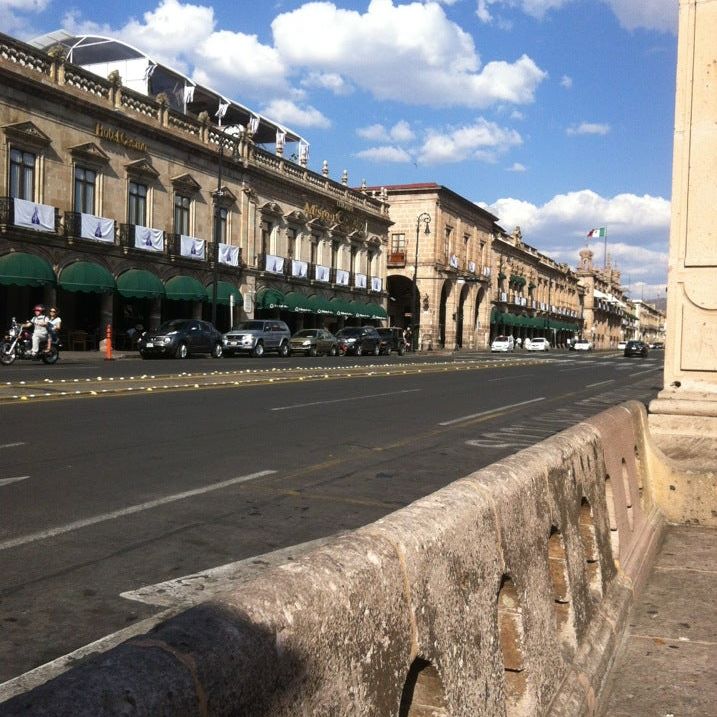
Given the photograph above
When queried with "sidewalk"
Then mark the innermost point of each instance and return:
(667, 665)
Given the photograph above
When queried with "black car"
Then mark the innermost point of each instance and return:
(180, 338)
(359, 340)
(392, 340)
(636, 348)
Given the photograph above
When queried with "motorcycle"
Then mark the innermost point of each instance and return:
(17, 344)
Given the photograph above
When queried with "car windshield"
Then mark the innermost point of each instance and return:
(349, 332)
(500, 338)
(385, 332)
(174, 325)
(249, 326)
(305, 333)
(581, 341)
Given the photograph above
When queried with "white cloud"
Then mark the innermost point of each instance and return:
(517, 167)
(385, 154)
(660, 15)
(587, 128)
(638, 228)
(410, 53)
(517, 115)
(482, 140)
(288, 112)
(373, 133)
(402, 132)
(331, 81)
(13, 16)
(566, 82)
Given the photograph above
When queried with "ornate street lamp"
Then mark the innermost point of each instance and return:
(424, 217)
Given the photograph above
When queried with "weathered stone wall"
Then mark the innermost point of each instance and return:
(504, 593)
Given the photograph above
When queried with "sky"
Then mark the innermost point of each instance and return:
(556, 115)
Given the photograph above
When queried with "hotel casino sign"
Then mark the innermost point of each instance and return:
(340, 216)
(119, 137)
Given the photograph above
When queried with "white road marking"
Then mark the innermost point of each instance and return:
(13, 445)
(649, 370)
(69, 527)
(340, 400)
(492, 410)
(509, 378)
(7, 481)
(600, 383)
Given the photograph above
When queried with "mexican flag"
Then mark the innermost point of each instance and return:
(597, 233)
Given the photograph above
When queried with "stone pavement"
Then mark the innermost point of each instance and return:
(667, 666)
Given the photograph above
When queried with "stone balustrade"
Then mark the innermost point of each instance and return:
(504, 593)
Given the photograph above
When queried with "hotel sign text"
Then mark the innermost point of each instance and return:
(337, 217)
(119, 137)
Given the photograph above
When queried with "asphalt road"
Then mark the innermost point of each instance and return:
(105, 494)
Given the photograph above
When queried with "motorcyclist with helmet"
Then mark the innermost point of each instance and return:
(39, 323)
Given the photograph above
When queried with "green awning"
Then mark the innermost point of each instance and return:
(267, 298)
(24, 269)
(140, 284)
(376, 311)
(319, 305)
(297, 302)
(359, 310)
(224, 291)
(87, 276)
(340, 307)
(185, 288)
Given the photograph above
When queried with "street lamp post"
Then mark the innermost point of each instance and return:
(217, 230)
(424, 217)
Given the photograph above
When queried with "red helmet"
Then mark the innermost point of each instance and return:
(39, 307)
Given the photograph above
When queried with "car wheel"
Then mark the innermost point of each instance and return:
(376, 350)
(258, 350)
(359, 350)
(182, 351)
(312, 351)
(401, 350)
(217, 351)
(333, 351)
(284, 350)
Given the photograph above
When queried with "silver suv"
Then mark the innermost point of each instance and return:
(256, 337)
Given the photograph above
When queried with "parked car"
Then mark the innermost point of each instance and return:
(621, 345)
(392, 340)
(657, 345)
(180, 338)
(538, 344)
(503, 343)
(257, 337)
(359, 340)
(582, 345)
(313, 342)
(636, 348)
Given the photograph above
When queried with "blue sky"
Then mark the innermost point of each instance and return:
(555, 114)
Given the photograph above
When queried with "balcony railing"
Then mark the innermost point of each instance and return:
(128, 233)
(396, 259)
(7, 214)
(73, 229)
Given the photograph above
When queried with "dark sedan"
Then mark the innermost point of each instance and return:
(392, 340)
(359, 340)
(180, 338)
(636, 348)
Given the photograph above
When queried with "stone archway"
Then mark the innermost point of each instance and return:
(461, 340)
(400, 303)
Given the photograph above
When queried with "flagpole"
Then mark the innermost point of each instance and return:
(604, 254)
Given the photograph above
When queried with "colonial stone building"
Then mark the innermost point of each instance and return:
(533, 295)
(439, 265)
(606, 312)
(123, 202)
(650, 322)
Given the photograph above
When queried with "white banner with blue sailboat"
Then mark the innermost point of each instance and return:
(97, 228)
(192, 248)
(228, 254)
(32, 215)
(148, 239)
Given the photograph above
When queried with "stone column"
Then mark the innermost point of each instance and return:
(155, 313)
(687, 405)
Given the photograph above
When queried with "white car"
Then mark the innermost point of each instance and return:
(621, 345)
(538, 344)
(503, 343)
(583, 345)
